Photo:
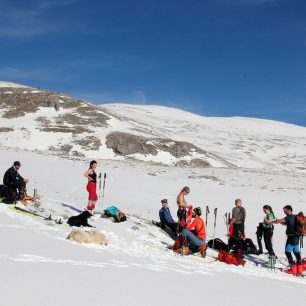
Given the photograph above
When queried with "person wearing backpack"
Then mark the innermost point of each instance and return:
(292, 243)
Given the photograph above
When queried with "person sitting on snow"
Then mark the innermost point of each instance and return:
(195, 233)
(165, 217)
(14, 182)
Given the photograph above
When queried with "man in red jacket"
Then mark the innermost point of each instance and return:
(196, 232)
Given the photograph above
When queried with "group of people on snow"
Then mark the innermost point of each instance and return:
(190, 225)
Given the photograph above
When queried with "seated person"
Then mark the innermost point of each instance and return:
(14, 182)
(194, 235)
(165, 217)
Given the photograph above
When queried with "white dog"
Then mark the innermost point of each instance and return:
(87, 237)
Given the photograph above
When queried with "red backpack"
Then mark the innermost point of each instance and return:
(230, 258)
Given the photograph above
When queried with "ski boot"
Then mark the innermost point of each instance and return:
(272, 262)
(292, 270)
(202, 250)
(299, 269)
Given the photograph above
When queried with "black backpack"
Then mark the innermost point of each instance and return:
(218, 244)
(3, 191)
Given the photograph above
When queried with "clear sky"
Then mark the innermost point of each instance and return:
(211, 57)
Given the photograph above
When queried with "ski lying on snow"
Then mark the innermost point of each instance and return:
(264, 263)
(34, 213)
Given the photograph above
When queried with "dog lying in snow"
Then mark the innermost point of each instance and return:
(87, 237)
(80, 220)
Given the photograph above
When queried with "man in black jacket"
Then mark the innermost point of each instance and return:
(14, 182)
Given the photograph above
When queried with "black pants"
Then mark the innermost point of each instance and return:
(266, 233)
(236, 243)
(182, 217)
(19, 186)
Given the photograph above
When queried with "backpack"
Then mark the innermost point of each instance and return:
(230, 259)
(3, 191)
(300, 224)
(218, 244)
(113, 211)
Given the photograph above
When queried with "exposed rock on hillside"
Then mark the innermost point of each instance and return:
(128, 144)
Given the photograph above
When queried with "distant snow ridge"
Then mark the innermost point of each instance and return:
(62, 125)
(11, 85)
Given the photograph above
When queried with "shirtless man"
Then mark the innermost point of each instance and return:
(182, 204)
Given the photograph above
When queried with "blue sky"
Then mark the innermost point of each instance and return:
(211, 57)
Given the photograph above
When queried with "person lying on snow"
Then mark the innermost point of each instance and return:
(193, 237)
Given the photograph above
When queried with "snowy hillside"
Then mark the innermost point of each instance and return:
(40, 267)
(39, 120)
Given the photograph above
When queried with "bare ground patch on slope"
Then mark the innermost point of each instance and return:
(89, 143)
(6, 129)
(127, 144)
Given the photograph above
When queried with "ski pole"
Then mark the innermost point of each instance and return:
(103, 189)
(207, 212)
(213, 244)
(227, 228)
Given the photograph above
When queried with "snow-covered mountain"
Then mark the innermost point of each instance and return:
(54, 137)
(40, 120)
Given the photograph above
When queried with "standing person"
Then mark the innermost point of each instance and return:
(182, 206)
(237, 222)
(265, 229)
(292, 243)
(14, 182)
(91, 185)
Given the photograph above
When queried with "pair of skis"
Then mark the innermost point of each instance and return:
(215, 223)
(101, 199)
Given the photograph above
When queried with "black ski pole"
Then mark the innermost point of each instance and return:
(213, 244)
(103, 188)
(207, 212)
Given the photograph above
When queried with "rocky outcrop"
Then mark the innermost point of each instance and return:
(17, 102)
(128, 144)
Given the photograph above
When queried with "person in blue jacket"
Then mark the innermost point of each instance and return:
(166, 218)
